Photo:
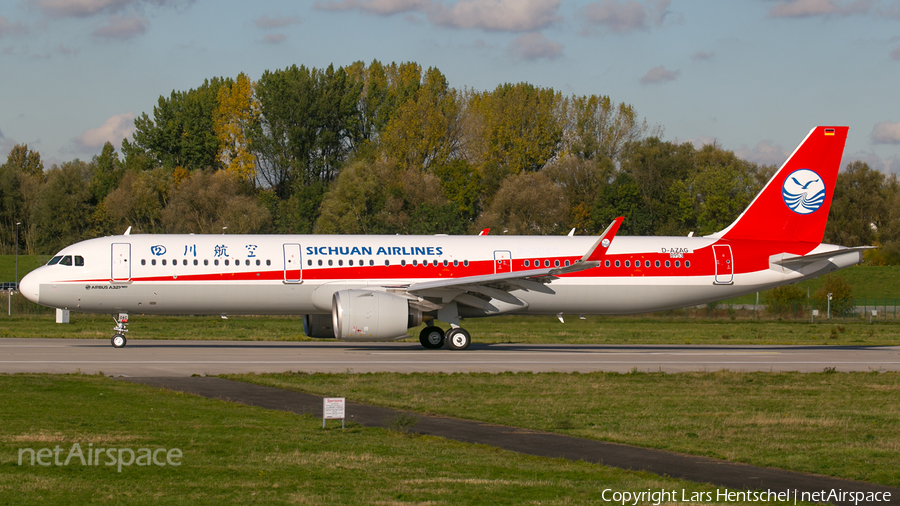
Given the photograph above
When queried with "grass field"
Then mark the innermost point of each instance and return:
(837, 424)
(235, 454)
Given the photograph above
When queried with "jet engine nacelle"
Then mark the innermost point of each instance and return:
(320, 326)
(367, 315)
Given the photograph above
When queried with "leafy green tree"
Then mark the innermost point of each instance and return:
(527, 204)
(307, 126)
(181, 133)
(622, 197)
(62, 210)
(234, 119)
(597, 128)
(207, 201)
(138, 202)
(841, 295)
(107, 172)
(582, 180)
(462, 187)
(516, 128)
(298, 214)
(20, 180)
(858, 208)
(425, 130)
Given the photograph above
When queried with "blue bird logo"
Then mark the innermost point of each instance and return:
(803, 191)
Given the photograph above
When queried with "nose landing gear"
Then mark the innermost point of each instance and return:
(118, 339)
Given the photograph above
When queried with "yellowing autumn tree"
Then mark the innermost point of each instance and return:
(236, 113)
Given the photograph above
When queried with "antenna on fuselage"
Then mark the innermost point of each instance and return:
(128, 231)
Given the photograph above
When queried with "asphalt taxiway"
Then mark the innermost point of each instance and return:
(185, 358)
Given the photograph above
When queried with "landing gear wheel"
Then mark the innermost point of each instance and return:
(458, 339)
(431, 337)
(119, 341)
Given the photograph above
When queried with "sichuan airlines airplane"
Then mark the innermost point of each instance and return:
(373, 288)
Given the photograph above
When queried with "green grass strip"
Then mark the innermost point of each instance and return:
(836, 424)
(235, 454)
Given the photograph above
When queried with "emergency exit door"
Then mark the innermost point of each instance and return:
(502, 262)
(121, 262)
(724, 264)
(293, 270)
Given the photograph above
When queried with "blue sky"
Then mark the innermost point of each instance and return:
(752, 75)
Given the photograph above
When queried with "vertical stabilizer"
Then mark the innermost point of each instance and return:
(794, 204)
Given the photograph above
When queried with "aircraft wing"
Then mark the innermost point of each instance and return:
(478, 291)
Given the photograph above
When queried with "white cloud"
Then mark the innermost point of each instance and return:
(533, 46)
(887, 165)
(7, 28)
(895, 54)
(379, 7)
(85, 8)
(267, 23)
(122, 28)
(765, 153)
(886, 133)
(658, 75)
(497, 15)
(274, 38)
(488, 15)
(626, 16)
(113, 130)
(812, 8)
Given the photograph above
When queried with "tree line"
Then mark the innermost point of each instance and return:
(394, 149)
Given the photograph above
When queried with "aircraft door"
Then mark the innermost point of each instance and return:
(293, 270)
(502, 262)
(724, 264)
(121, 263)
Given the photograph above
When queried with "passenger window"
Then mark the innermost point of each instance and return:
(257, 262)
(143, 262)
(79, 261)
(465, 263)
(403, 262)
(627, 263)
(153, 261)
(226, 262)
(66, 260)
(164, 261)
(567, 263)
(657, 263)
(320, 262)
(618, 264)
(184, 262)
(546, 263)
(216, 262)
(308, 262)
(350, 263)
(246, 262)
(371, 262)
(387, 262)
(330, 263)
(55, 260)
(196, 262)
(268, 262)
(687, 263)
(527, 263)
(606, 263)
(205, 262)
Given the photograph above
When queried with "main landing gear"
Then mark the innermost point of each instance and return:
(455, 339)
(118, 339)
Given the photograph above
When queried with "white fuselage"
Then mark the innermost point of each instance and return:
(291, 274)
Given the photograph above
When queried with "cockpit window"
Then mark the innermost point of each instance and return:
(66, 260)
(79, 261)
(55, 260)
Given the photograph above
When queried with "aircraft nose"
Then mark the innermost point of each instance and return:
(29, 287)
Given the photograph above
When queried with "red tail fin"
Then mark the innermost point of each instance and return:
(794, 204)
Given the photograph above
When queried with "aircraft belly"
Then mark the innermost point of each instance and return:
(180, 298)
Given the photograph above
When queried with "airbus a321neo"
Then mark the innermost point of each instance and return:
(373, 288)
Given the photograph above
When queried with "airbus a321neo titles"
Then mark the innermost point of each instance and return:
(373, 288)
